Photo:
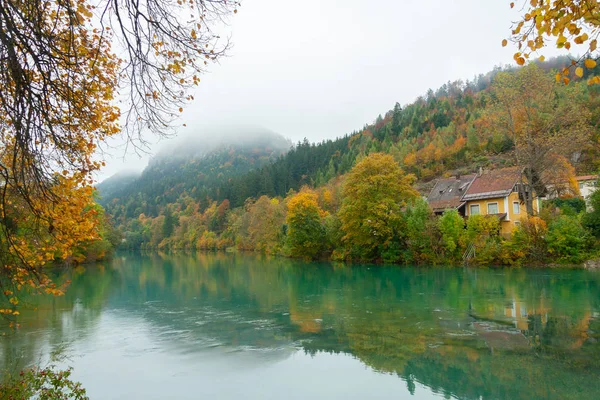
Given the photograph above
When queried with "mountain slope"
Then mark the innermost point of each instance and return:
(116, 183)
(192, 167)
(235, 194)
(443, 132)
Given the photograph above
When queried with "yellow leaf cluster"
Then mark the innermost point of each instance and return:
(46, 167)
(570, 22)
(304, 201)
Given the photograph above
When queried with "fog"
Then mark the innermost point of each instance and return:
(324, 68)
(211, 136)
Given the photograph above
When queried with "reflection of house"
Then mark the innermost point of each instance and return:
(519, 313)
(495, 193)
(447, 194)
(306, 320)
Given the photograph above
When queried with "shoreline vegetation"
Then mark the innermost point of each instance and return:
(361, 197)
(376, 216)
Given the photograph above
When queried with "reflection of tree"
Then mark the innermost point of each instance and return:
(49, 322)
(435, 326)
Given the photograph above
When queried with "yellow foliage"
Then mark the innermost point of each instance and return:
(590, 63)
(568, 21)
(410, 160)
(305, 236)
(375, 192)
(46, 169)
(59, 104)
(303, 200)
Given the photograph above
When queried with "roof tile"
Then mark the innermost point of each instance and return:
(495, 183)
(447, 193)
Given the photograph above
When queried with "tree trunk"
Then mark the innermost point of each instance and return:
(526, 192)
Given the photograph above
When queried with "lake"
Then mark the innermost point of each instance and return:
(235, 326)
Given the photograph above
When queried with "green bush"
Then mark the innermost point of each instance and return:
(591, 220)
(423, 237)
(567, 240)
(527, 242)
(333, 232)
(484, 233)
(571, 206)
(452, 227)
(42, 384)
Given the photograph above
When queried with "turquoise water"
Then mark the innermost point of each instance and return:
(232, 326)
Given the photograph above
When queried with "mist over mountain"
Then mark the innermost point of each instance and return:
(193, 165)
(214, 138)
(119, 181)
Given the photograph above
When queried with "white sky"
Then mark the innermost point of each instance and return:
(323, 68)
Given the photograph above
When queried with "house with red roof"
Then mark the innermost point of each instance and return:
(494, 192)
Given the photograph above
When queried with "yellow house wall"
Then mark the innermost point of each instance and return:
(505, 205)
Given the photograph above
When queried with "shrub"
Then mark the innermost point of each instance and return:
(484, 233)
(452, 227)
(333, 232)
(42, 384)
(527, 242)
(567, 239)
(423, 237)
(591, 220)
(571, 206)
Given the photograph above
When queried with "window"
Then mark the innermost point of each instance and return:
(492, 208)
(581, 185)
(523, 310)
(474, 209)
(516, 207)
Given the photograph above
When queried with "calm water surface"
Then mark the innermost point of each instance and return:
(219, 326)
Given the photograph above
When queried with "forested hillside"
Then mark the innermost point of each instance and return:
(191, 168)
(297, 203)
(446, 129)
(116, 184)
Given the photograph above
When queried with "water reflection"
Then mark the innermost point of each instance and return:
(468, 333)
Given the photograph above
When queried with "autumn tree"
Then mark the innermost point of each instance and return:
(266, 218)
(374, 194)
(452, 227)
(61, 85)
(562, 179)
(544, 120)
(423, 237)
(567, 23)
(305, 231)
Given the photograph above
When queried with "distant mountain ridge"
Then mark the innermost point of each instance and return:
(116, 183)
(193, 166)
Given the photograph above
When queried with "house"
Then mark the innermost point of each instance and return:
(587, 186)
(496, 193)
(447, 194)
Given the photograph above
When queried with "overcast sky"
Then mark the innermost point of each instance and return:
(323, 68)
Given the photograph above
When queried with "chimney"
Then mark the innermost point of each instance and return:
(480, 172)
